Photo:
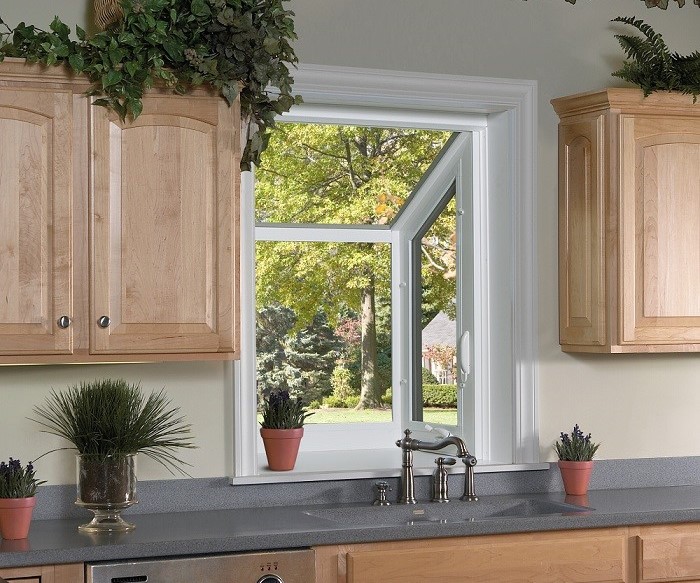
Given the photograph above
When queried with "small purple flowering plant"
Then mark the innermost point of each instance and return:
(17, 481)
(576, 447)
(280, 411)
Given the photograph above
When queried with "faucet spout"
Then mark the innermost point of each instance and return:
(408, 445)
(442, 444)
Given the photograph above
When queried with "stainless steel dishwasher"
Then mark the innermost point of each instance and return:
(269, 567)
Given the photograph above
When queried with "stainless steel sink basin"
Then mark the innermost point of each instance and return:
(454, 511)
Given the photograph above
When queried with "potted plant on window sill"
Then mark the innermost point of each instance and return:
(575, 454)
(17, 498)
(108, 422)
(281, 429)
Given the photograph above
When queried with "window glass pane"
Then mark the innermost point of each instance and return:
(435, 366)
(324, 327)
(332, 174)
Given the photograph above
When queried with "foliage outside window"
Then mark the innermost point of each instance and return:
(317, 176)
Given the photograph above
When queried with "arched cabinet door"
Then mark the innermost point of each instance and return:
(164, 228)
(35, 221)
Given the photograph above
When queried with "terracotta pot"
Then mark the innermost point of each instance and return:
(576, 476)
(281, 447)
(15, 517)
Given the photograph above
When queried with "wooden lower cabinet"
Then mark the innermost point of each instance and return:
(668, 553)
(599, 556)
(659, 554)
(72, 573)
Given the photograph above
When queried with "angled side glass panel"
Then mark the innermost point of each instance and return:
(434, 346)
(323, 328)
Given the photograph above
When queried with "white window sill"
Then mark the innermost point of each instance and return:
(358, 464)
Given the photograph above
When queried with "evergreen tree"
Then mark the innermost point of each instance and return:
(300, 362)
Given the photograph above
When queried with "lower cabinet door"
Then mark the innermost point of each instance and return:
(70, 573)
(670, 553)
(592, 556)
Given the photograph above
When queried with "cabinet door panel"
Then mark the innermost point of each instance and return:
(35, 221)
(600, 560)
(668, 557)
(582, 233)
(164, 232)
(661, 230)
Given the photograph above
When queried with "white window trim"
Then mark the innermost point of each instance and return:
(512, 109)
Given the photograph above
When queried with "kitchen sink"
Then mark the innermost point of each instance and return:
(452, 512)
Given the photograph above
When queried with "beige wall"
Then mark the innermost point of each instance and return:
(638, 406)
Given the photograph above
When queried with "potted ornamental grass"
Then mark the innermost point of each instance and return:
(282, 428)
(108, 422)
(575, 453)
(17, 498)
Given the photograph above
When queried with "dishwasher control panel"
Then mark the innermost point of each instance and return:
(295, 566)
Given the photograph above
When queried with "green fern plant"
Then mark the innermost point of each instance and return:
(652, 66)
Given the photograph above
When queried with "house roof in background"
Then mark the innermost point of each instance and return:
(440, 330)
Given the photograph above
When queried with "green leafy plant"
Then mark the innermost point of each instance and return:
(444, 396)
(235, 46)
(108, 417)
(576, 447)
(652, 65)
(17, 481)
(280, 411)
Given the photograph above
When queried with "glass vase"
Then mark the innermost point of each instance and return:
(106, 486)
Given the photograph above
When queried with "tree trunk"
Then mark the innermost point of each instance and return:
(370, 396)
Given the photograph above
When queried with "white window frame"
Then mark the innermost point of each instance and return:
(507, 161)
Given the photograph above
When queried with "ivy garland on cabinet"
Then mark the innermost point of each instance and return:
(238, 47)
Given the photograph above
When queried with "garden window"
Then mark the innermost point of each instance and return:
(379, 271)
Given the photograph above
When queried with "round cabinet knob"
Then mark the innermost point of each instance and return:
(270, 579)
(104, 322)
(64, 322)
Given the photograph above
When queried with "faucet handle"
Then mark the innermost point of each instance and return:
(382, 488)
(441, 461)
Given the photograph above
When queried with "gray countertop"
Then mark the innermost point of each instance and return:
(249, 529)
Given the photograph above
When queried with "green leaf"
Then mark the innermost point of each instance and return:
(230, 92)
(116, 55)
(59, 28)
(135, 107)
(77, 62)
(131, 68)
(63, 51)
(174, 49)
(200, 8)
(80, 33)
(111, 78)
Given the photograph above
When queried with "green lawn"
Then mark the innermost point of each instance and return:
(441, 416)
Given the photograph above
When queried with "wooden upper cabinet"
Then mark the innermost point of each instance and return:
(35, 220)
(629, 222)
(133, 224)
(164, 232)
